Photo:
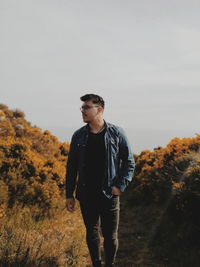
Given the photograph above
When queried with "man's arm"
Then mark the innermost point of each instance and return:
(127, 163)
(71, 171)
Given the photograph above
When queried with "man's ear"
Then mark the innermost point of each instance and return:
(101, 109)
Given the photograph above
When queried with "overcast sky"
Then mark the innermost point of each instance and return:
(142, 57)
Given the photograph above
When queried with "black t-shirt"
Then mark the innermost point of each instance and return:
(95, 162)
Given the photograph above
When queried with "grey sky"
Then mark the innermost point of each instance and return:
(143, 57)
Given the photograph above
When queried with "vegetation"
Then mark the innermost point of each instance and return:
(159, 215)
(55, 241)
(32, 164)
(163, 203)
(35, 228)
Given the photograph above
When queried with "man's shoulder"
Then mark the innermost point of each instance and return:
(115, 128)
(80, 130)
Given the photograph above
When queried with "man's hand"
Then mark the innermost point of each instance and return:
(70, 204)
(116, 191)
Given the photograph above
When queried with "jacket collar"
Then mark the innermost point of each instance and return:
(87, 128)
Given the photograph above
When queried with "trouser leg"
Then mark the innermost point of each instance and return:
(91, 218)
(109, 222)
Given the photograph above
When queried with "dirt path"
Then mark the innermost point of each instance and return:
(133, 239)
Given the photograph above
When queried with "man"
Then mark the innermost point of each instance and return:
(101, 157)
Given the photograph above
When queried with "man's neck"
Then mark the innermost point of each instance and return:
(97, 126)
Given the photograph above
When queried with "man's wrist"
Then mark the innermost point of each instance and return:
(116, 190)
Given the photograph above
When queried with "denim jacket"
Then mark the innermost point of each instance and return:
(119, 161)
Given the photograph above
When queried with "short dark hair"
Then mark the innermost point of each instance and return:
(96, 99)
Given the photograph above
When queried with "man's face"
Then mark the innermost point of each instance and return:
(90, 111)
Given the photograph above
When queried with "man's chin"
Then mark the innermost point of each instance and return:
(85, 120)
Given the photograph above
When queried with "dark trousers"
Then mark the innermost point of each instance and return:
(101, 214)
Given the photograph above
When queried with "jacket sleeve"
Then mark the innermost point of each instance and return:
(127, 162)
(72, 169)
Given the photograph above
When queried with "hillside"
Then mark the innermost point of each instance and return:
(32, 163)
(35, 228)
(159, 210)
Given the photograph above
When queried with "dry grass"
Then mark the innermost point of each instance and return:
(58, 241)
